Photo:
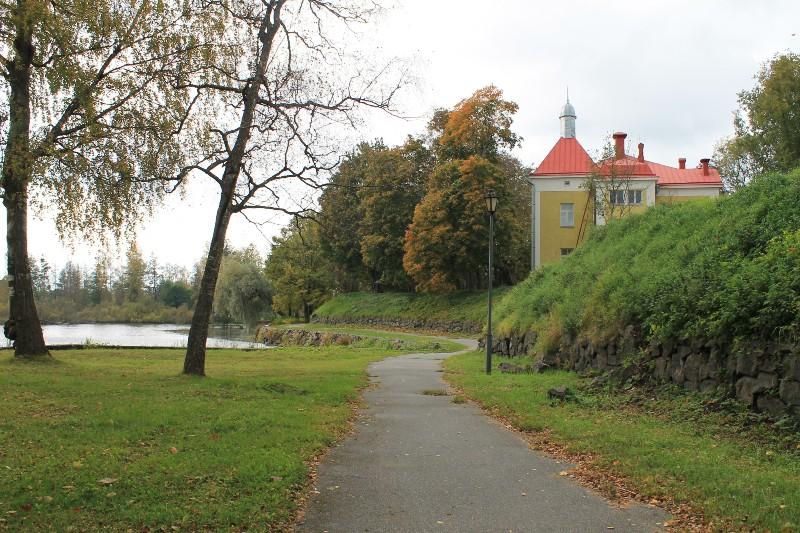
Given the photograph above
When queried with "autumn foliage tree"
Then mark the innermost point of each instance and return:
(445, 246)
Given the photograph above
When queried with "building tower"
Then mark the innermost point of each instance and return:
(568, 120)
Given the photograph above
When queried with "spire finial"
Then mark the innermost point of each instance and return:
(567, 93)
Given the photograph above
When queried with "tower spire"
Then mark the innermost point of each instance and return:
(568, 117)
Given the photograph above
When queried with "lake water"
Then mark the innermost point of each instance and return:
(162, 335)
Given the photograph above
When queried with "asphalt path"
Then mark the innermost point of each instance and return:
(419, 462)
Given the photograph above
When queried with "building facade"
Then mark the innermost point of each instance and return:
(570, 192)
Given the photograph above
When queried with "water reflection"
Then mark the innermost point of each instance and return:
(161, 335)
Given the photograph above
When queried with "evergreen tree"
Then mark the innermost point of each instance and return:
(134, 274)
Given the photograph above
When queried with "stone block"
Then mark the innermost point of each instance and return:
(767, 381)
(692, 366)
(691, 385)
(676, 374)
(770, 405)
(683, 352)
(769, 363)
(747, 364)
(746, 389)
(790, 392)
(660, 369)
(791, 367)
(601, 360)
(730, 364)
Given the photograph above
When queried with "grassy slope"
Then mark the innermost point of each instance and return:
(225, 452)
(463, 306)
(713, 269)
(375, 338)
(669, 447)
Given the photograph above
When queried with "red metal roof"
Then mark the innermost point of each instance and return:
(690, 176)
(628, 167)
(567, 157)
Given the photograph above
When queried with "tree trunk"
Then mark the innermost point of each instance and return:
(306, 313)
(16, 174)
(195, 361)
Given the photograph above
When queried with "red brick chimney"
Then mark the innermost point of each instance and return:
(682, 163)
(641, 152)
(705, 162)
(619, 144)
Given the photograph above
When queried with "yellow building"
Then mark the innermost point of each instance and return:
(563, 184)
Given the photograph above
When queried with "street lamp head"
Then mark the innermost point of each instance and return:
(491, 201)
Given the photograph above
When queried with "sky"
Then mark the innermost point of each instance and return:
(667, 72)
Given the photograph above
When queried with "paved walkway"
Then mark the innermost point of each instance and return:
(419, 463)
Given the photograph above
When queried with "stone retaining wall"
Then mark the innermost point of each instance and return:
(765, 376)
(302, 337)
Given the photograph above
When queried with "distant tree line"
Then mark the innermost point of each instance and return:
(412, 217)
(144, 290)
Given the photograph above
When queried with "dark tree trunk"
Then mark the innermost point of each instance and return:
(195, 361)
(16, 174)
(306, 313)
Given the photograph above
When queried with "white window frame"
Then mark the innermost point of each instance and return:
(634, 197)
(626, 197)
(567, 213)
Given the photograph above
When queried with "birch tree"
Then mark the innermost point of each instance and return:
(96, 123)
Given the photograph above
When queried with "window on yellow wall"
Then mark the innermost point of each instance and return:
(566, 251)
(567, 215)
(634, 197)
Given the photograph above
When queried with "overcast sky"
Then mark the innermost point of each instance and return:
(665, 71)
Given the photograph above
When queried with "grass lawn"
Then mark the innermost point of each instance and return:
(103, 439)
(739, 473)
